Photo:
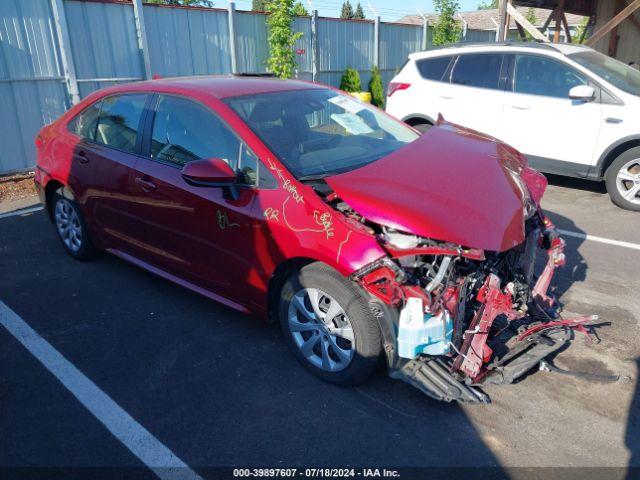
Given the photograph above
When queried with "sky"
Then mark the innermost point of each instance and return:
(389, 10)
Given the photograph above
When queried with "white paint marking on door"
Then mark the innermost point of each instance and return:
(162, 461)
(22, 211)
(593, 238)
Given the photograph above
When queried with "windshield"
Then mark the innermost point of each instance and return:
(320, 132)
(616, 73)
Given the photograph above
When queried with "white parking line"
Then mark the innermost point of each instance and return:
(22, 211)
(593, 238)
(164, 463)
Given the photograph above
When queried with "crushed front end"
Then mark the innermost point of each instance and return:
(457, 318)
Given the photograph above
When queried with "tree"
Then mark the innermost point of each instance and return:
(347, 10)
(489, 5)
(359, 12)
(447, 28)
(376, 88)
(579, 33)
(282, 39)
(259, 5)
(350, 81)
(532, 19)
(299, 10)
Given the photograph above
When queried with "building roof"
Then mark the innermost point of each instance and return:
(484, 19)
(579, 7)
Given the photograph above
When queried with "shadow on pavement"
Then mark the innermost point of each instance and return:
(216, 387)
(576, 183)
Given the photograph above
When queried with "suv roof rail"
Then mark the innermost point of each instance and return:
(533, 44)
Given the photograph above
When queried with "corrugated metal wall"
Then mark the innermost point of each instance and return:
(31, 89)
(182, 41)
(396, 43)
(103, 43)
(187, 41)
(343, 44)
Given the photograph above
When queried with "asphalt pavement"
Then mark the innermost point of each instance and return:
(218, 389)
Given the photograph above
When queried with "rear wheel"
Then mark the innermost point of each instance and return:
(623, 180)
(71, 228)
(328, 325)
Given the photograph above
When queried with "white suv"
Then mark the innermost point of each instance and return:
(571, 110)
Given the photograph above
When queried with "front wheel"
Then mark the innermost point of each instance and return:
(623, 180)
(328, 325)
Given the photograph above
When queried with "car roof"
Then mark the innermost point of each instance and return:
(556, 49)
(219, 86)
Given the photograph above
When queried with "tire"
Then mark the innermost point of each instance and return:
(71, 228)
(354, 328)
(422, 127)
(623, 176)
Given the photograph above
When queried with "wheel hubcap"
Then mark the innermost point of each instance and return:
(628, 181)
(321, 329)
(68, 225)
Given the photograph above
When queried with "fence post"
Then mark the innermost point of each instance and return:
(232, 36)
(314, 46)
(425, 33)
(141, 33)
(66, 56)
(376, 41)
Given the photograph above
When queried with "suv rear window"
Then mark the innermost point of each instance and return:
(480, 70)
(433, 68)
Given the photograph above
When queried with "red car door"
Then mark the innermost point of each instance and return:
(197, 233)
(102, 162)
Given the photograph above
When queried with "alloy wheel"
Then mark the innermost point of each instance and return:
(321, 330)
(68, 225)
(628, 181)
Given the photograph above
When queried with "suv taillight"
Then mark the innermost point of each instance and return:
(395, 86)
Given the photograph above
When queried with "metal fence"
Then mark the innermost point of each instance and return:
(54, 52)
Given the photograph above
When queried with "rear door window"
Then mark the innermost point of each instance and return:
(119, 121)
(433, 68)
(537, 75)
(84, 124)
(480, 70)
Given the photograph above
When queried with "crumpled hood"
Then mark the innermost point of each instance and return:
(452, 184)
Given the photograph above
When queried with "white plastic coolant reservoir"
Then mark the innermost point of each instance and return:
(421, 332)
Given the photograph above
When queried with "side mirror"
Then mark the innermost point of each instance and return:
(582, 92)
(213, 172)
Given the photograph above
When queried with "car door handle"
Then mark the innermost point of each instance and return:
(146, 184)
(521, 107)
(447, 97)
(614, 120)
(81, 156)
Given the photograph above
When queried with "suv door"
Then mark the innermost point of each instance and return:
(197, 233)
(102, 161)
(557, 134)
(475, 95)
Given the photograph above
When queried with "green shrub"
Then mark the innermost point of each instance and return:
(350, 81)
(376, 89)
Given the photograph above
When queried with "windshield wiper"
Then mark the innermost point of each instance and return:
(318, 176)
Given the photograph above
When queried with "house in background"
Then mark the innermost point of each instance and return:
(483, 25)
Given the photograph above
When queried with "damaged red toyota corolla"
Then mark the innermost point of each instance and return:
(295, 201)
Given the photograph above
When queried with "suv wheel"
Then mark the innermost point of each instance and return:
(328, 325)
(623, 180)
(71, 228)
(422, 127)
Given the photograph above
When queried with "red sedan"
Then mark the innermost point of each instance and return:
(294, 201)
